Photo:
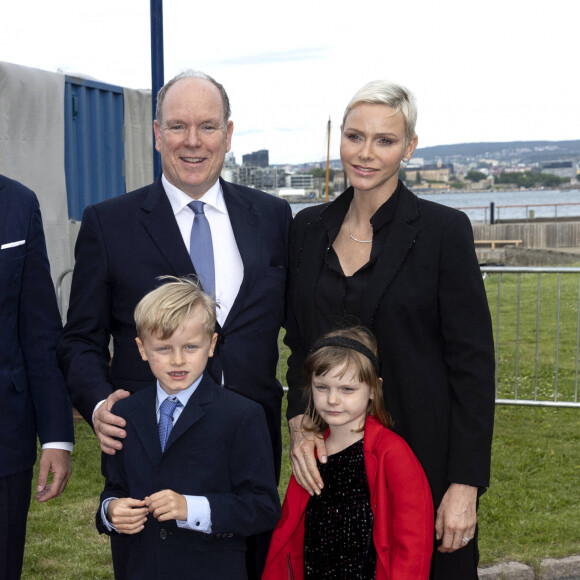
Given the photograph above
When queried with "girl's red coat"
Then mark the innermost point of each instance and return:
(402, 507)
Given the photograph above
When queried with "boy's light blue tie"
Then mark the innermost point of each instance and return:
(166, 410)
(201, 248)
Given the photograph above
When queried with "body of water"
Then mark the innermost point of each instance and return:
(512, 205)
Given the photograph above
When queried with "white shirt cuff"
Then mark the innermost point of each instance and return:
(104, 507)
(95, 410)
(64, 445)
(198, 514)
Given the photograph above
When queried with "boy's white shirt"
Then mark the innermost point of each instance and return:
(198, 508)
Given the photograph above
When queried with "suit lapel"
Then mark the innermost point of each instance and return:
(193, 411)
(145, 423)
(159, 222)
(248, 235)
(311, 251)
(397, 246)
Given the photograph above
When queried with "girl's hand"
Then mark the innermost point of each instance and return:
(128, 515)
(167, 505)
(302, 445)
(456, 517)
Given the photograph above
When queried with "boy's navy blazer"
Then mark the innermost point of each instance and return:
(219, 448)
(32, 390)
(124, 244)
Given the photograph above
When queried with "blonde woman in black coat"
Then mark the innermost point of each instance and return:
(407, 269)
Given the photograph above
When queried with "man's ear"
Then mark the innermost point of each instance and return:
(213, 343)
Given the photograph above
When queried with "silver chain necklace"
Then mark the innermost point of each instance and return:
(352, 237)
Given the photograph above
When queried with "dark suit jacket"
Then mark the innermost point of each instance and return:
(219, 449)
(33, 397)
(124, 244)
(428, 309)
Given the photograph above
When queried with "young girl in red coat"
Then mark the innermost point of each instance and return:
(374, 517)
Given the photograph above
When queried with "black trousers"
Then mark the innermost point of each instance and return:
(15, 492)
(459, 565)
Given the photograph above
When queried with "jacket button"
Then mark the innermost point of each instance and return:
(163, 534)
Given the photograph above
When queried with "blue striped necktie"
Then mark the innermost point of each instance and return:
(166, 410)
(201, 248)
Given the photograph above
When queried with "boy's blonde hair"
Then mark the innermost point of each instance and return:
(163, 310)
(324, 359)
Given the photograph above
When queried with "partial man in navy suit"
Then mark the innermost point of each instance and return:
(33, 398)
(126, 243)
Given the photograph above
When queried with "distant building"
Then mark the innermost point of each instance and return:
(257, 158)
(439, 172)
(230, 159)
(258, 177)
(560, 168)
(300, 181)
(292, 192)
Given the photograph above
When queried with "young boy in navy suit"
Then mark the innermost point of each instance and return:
(195, 475)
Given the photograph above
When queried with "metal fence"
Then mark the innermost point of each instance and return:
(536, 320)
(527, 212)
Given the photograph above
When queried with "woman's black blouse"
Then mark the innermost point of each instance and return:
(338, 296)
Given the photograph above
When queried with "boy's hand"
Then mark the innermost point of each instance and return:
(128, 515)
(167, 505)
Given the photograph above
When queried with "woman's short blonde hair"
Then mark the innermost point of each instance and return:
(163, 310)
(397, 97)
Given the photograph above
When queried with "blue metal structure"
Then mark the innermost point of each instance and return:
(94, 151)
(157, 70)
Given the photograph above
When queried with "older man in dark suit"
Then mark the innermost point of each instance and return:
(33, 397)
(126, 243)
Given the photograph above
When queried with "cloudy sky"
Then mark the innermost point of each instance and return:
(496, 70)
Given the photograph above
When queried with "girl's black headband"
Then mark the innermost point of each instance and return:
(348, 343)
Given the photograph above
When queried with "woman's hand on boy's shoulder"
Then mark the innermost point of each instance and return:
(128, 515)
(302, 445)
(167, 505)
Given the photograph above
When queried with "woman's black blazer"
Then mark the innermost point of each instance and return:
(427, 306)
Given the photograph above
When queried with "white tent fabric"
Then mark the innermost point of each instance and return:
(32, 147)
(138, 138)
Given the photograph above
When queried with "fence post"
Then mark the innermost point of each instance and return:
(491, 213)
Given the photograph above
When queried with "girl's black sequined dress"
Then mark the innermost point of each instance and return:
(338, 539)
